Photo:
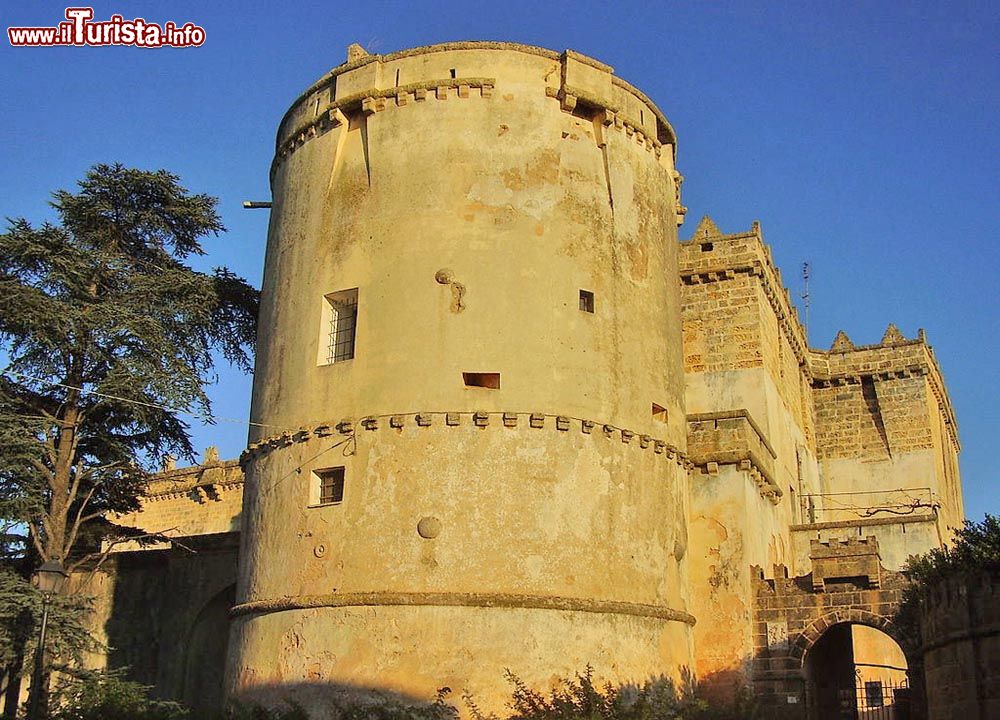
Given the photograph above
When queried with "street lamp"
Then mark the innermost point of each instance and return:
(49, 579)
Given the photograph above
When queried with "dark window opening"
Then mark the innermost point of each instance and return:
(331, 485)
(342, 323)
(586, 301)
(454, 74)
(659, 413)
(873, 694)
(482, 379)
(707, 247)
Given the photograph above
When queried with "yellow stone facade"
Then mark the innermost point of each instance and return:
(556, 435)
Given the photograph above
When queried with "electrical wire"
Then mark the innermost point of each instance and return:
(143, 403)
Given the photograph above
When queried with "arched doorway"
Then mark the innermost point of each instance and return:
(855, 671)
(205, 655)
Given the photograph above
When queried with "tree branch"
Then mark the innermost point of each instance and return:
(78, 521)
(37, 541)
(110, 546)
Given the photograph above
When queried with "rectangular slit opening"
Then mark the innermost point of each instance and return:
(586, 301)
(659, 413)
(489, 380)
(454, 74)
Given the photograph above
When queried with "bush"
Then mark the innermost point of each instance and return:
(580, 699)
(107, 696)
(255, 712)
(976, 548)
(440, 709)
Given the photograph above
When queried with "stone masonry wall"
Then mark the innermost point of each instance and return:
(960, 626)
(790, 615)
(737, 314)
(187, 502)
(875, 399)
(872, 419)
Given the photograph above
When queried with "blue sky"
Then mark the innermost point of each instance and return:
(863, 136)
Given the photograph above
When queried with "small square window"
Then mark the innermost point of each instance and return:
(328, 486)
(659, 413)
(586, 301)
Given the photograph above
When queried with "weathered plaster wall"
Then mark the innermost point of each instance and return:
(884, 422)
(749, 435)
(898, 538)
(469, 193)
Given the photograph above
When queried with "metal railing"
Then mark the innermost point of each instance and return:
(847, 506)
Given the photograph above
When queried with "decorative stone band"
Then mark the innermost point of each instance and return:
(766, 486)
(349, 427)
(901, 373)
(373, 100)
(207, 481)
(456, 599)
(202, 490)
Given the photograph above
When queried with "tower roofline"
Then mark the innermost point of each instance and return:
(357, 60)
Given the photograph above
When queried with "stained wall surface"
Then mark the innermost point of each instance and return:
(469, 193)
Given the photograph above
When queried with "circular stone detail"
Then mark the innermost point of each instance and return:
(429, 527)
(320, 550)
(444, 276)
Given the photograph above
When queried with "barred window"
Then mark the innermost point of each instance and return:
(329, 486)
(340, 324)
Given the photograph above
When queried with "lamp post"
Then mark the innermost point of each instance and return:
(49, 579)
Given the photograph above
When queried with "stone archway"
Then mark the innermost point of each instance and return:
(812, 633)
(205, 654)
(854, 667)
(791, 614)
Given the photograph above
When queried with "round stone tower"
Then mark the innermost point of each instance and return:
(469, 381)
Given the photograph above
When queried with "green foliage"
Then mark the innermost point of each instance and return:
(107, 696)
(256, 712)
(20, 615)
(575, 699)
(580, 699)
(976, 548)
(107, 333)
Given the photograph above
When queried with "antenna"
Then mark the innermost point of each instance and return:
(805, 295)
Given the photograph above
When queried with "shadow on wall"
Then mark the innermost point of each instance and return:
(838, 678)
(168, 622)
(580, 696)
(205, 653)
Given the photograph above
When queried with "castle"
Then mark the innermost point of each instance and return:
(505, 418)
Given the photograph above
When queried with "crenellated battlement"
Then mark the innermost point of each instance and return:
(369, 83)
(895, 357)
(712, 256)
